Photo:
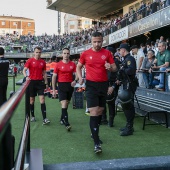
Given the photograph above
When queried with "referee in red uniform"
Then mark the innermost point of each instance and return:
(97, 61)
(64, 70)
(38, 82)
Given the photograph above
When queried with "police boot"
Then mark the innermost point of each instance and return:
(110, 124)
(128, 130)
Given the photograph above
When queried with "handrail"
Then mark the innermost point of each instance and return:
(7, 109)
(19, 164)
(13, 76)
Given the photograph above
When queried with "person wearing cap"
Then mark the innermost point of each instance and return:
(128, 77)
(97, 61)
(111, 93)
(139, 57)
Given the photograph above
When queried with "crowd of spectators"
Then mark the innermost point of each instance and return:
(152, 61)
(50, 43)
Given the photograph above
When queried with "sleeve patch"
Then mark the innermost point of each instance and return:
(128, 63)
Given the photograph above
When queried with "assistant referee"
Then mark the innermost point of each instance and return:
(64, 70)
(38, 81)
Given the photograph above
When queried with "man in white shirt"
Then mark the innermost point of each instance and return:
(139, 56)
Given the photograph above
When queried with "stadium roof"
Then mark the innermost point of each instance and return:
(93, 9)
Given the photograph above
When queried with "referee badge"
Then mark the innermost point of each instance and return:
(128, 63)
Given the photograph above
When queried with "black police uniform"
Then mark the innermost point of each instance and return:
(4, 66)
(130, 83)
(112, 77)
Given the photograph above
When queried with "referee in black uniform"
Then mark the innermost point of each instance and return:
(4, 66)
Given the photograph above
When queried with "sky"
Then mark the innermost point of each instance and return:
(45, 19)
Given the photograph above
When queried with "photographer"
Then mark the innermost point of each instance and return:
(127, 74)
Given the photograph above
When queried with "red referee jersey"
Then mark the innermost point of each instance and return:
(65, 71)
(36, 68)
(94, 62)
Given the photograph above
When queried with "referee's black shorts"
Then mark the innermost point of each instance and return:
(65, 91)
(36, 87)
(96, 93)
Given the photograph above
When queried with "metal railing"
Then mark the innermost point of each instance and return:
(160, 72)
(6, 144)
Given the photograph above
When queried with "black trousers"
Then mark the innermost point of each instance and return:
(130, 112)
(3, 90)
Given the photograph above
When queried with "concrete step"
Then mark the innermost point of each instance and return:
(147, 163)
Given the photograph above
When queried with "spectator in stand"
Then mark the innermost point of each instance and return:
(162, 4)
(161, 39)
(143, 48)
(131, 16)
(148, 46)
(167, 44)
(154, 6)
(139, 56)
(146, 65)
(161, 63)
(15, 71)
(148, 9)
(154, 48)
(141, 9)
(167, 3)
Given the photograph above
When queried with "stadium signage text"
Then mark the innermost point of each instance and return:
(144, 25)
(118, 35)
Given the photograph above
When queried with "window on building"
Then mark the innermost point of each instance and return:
(87, 22)
(14, 23)
(79, 23)
(29, 24)
(72, 22)
(3, 22)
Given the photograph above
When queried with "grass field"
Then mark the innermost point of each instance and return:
(59, 146)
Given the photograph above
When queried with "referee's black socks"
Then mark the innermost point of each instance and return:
(99, 119)
(43, 110)
(32, 110)
(65, 115)
(94, 126)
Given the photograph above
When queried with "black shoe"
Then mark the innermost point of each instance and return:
(110, 124)
(104, 122)
(100, 141)
(123, 128)
(97, 149)
(127, 132)
(68, 127)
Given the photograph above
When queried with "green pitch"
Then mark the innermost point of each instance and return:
(59, 146)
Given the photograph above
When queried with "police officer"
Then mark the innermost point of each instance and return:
(4, 66)
(111, 93)
(126, 96)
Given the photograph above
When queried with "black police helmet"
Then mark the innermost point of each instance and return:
(124, 96)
